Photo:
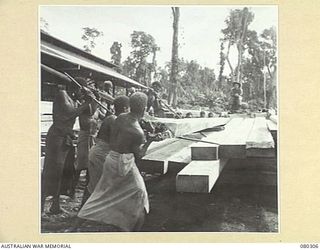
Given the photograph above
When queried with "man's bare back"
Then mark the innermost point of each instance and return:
(127, 135)
(105, 129)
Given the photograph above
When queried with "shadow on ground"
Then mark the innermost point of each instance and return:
(230, 207)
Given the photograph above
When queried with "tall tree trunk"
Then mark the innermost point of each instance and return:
(240, 44)
(228, 61)
(238, 70)
(172, 99)
(222, 63)
(273, 100)
(154, 65)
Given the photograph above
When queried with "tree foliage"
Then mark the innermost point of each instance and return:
(136, 65)
(89, 37)
(186, 83)
(256, 54)
(261, 60)
(235, 34)
(44, 25)
(195, 84)
(115, 51)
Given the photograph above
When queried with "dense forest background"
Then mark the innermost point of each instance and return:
(187, 84)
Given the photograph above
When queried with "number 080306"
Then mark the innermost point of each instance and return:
(309, 246)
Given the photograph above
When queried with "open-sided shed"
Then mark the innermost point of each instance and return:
(63, 57)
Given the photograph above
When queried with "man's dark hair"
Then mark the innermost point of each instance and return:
(138, 102)
(108, 84)
(82, 81)
(202, 113)
(156, 84)
(120, 103)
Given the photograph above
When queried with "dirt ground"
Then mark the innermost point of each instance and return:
(239, 202)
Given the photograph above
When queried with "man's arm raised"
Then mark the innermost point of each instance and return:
(69, 108)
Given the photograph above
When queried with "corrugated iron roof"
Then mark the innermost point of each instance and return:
(56, 50)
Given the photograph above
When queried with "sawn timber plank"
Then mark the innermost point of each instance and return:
(231, 141)
(199, 176)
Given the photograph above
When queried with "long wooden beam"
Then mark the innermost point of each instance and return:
(157, 161)
(260, 142)
(231, 140)
(260, 136)
(232, 144)
(160, 154)
(199, 176)
(186, 126)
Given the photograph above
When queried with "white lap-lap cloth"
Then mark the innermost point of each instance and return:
(97, 157)
(120, 196)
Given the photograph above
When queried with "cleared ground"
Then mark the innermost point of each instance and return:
(243, 200)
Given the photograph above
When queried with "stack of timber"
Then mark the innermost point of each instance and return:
(202, 161)
(175, 150)
(231, 141)
(242, 137)
(161, 154)
(209, 158)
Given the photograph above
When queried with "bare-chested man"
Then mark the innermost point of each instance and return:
(59, 142)
(120, 197)
(99, 151)
(88, 129)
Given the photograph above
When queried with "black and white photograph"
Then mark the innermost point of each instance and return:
(158, 118)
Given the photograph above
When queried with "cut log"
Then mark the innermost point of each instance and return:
(199, 176)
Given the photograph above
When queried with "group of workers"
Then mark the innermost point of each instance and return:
(115, 193)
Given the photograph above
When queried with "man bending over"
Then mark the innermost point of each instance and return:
(99, 151)
(120, 197)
